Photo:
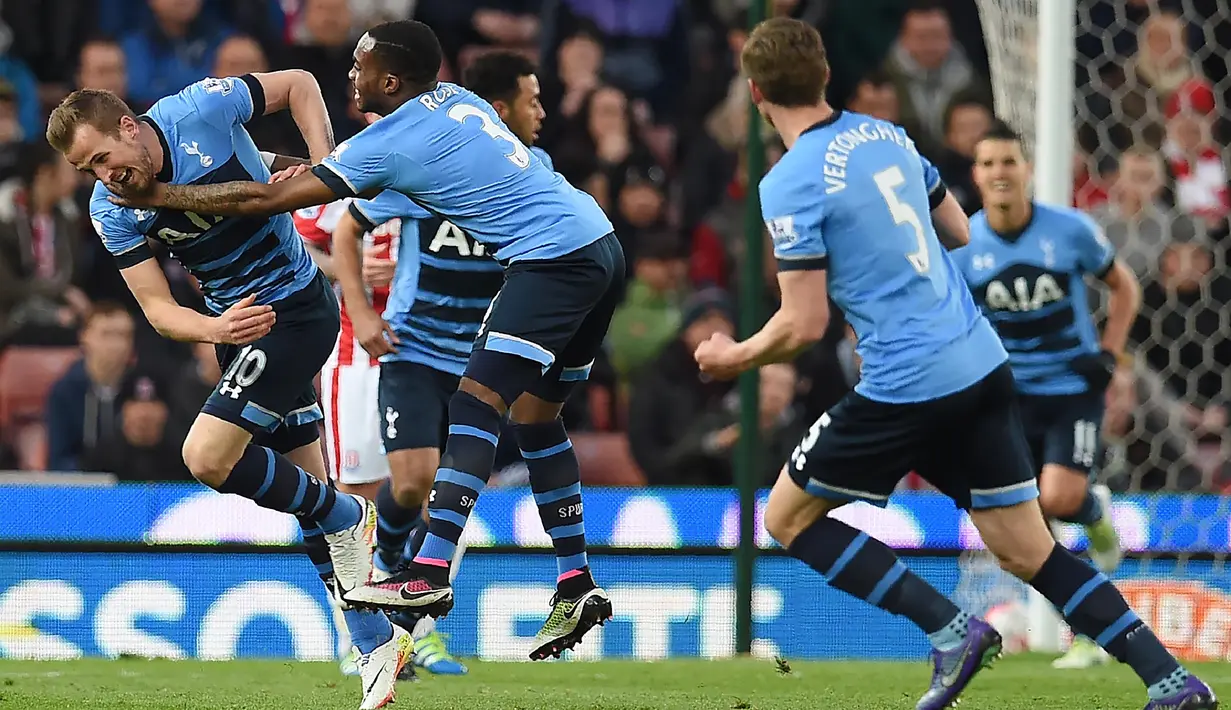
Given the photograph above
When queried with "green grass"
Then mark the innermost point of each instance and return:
(1019, 683)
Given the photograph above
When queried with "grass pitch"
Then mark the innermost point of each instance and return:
(1018, 683)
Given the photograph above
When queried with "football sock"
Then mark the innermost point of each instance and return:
(271, 481)
(555, 479)
(1090, 512)
(465, 466)
(1093, 607)
(865, 568)
(393, 526)
(368, 629)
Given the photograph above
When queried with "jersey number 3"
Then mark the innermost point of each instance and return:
(519, 157)
(888, 181)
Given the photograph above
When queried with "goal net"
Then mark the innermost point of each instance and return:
(1148, 157)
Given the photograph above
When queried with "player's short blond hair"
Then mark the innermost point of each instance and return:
(786, 60)
(93, 107)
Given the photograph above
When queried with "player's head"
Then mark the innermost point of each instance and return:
(507, 81)
(394, 62)
(786, 66)
(1001, 171)
(99, 134)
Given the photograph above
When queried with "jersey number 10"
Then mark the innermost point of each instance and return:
(888, 181)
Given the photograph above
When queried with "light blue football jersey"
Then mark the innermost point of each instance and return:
(441, 289)
(203, 139)
(1032, 287)
(449, 151)
(853, 196)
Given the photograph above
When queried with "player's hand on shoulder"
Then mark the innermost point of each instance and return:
(129, 195)
(714, 357)
(288, 173)
(244, 322)
(373, 333)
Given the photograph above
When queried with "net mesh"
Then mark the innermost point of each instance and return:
(1149, 166)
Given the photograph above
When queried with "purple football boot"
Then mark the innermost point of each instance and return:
(1195, 695)
(953, 670)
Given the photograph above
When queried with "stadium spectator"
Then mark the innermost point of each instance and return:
(1148, 445)
(967, 119)
(82, 407)
(142, 450)
(929, 69)
(567, 89)
(1136, 219)
(101, 64)
(175, 48)
(712, 156)
(16, 73)
(324, 47)
(876, 96)
(1182, 333)
(190, 388)
(11, 137)
(1195, 158)
(645, 44)
(649, 318)
(40, 227)
(672, 395)
(275, 133)
(1089, 188)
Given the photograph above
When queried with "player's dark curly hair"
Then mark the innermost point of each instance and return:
(408, 50)
(494, 76)
(1001, 131)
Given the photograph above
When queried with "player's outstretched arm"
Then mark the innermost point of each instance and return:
(372, 332)
(242, 323)
(952, 225)
(242, 199)
(297, 90)
(1122, 306)
(799, 322)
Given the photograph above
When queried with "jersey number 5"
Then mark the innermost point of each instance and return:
(519, 157)
(888, 181)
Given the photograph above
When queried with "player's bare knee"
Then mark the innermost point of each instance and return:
(790, 511)
(206, 461)
(1017, 535)
(529, 409)
(1061, 490)
(483, 393)
(413, 472)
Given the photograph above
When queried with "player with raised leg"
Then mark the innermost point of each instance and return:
(273, 315)
(443, 286)
(847, 209)
(1026, 265)
(448, 150)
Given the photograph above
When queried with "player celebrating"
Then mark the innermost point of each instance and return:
(846, 209)
(1025, 264)
(563, 267)
(273, 319)
(444, 284)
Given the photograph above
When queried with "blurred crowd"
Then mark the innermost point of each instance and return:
(646, 112)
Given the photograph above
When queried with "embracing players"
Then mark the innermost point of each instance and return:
(847, 207)
(563, 269)
(1026, 264)
(273, 316)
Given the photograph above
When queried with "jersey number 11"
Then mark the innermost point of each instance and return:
(888, 181)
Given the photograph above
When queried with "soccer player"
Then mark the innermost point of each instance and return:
(449, 151)
(847, 207)
(444, 284)
(272, 314)
(1026, 264)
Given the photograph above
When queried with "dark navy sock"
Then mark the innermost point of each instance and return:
(368, 629)
(465, 466)
(555, 479)
(1090, 512)
(393, 525)
(1094, 608)
(271, 481)
(865, 568)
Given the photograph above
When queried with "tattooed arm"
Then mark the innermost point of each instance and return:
(245, 199)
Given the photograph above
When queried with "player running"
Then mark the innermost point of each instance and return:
(563, 267)
(444, 283)
(847, 209)
(273, 315)
(1026, 265)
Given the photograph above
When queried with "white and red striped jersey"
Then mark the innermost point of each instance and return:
(316, 225)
